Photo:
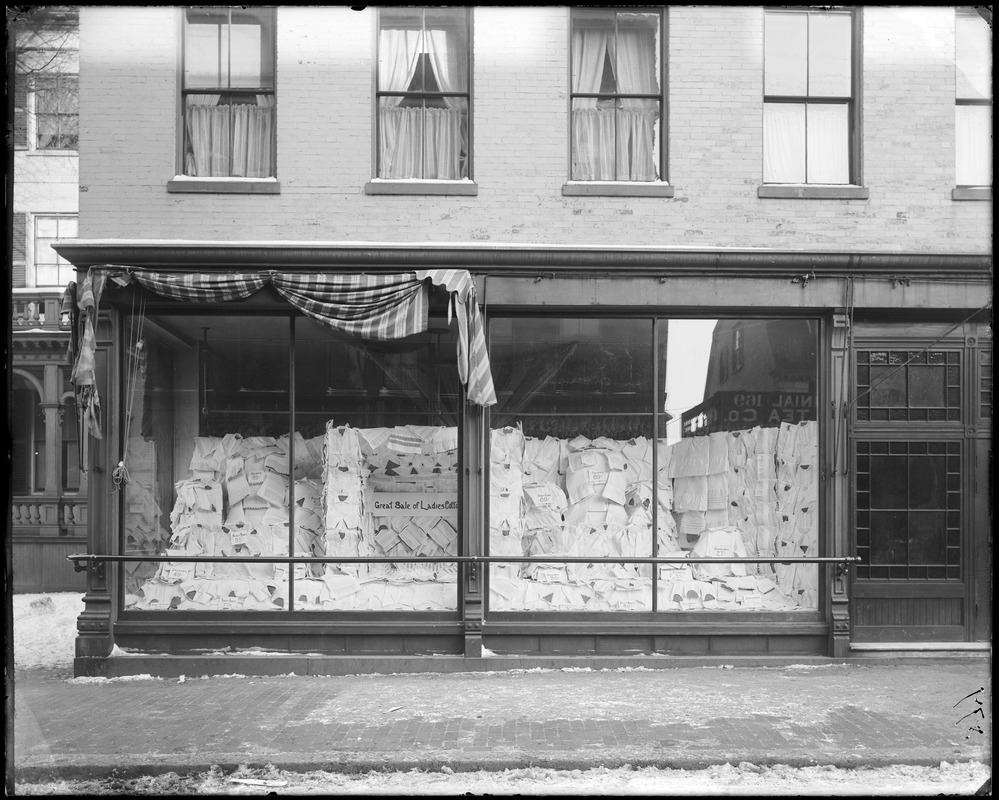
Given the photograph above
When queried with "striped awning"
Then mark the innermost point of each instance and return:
(378, 307)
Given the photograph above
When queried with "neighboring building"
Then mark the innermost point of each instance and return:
(48, 488)
(508, 283)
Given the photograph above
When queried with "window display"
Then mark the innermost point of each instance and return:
(207, 471)
(720, 491)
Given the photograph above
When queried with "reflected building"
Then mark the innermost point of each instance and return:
(760, 372)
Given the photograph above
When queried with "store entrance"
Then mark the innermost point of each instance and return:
(921, 485)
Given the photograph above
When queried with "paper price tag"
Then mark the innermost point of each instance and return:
(238, 537)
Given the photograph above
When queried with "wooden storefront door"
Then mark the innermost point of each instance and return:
(917, 482)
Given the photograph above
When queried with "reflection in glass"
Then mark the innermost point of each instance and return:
(573, 452)
(371, 469)
(571, 463)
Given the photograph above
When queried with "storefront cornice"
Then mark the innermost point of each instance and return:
(514, 259)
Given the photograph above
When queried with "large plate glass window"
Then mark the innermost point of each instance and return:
(228, 92)
(617, 97)
(808, 103)
(974, 99)
(623, 438)
(381, 418)
(424, 93)
(261, 436)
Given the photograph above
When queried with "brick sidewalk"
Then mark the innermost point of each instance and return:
(842, 714)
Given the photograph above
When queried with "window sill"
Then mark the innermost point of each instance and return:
(616, 189)
(971, 193)
(186, 184)
(421, 187)
(802, 192)
(50, 153)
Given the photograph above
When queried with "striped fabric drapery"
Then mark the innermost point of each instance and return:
(378, 307)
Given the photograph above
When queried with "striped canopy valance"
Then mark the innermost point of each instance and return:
(379, 306)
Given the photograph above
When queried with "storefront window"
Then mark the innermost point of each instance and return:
(269, 436)
(571, 463)
(385, 414)
(580, 430)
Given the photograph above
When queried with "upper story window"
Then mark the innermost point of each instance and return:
(617, 96)
(808, 103)
(973, 94)
(423, 95)
(57, 112)
(46, 65)
(228, 92)
(51, 269)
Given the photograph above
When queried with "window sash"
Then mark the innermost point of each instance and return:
(809, 117)
(224, 135)
(56, 112)
(50, 268)
(973, 144)
(625, 142)
(424, 132)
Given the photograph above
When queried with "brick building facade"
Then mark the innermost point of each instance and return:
(877, 248)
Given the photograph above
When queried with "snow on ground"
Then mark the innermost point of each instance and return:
(45, 629)
(725, 780)
(44, 633)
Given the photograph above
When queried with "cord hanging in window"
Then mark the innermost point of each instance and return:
(136, 367)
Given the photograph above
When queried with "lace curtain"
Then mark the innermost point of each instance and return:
(418, 142)
(222, 133)
(614, 142)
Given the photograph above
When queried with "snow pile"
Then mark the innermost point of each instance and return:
(45, 629)
(747, 780)
(145, 676)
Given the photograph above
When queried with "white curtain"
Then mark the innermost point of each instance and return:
(974, 145)
(828, 145)
(783, 143)
(215, 132)
(634, 59)
(614, 143)
(422, 142)
(792, 130)
(592, 127)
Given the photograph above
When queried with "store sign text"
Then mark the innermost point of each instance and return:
(412, 504)
(770, 408)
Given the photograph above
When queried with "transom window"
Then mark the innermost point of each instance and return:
(51, 269)
(617, 100)
(229, 101)
(973, 92)
(57, 112)
(808, 103)
(899, 385)
(423, 95)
